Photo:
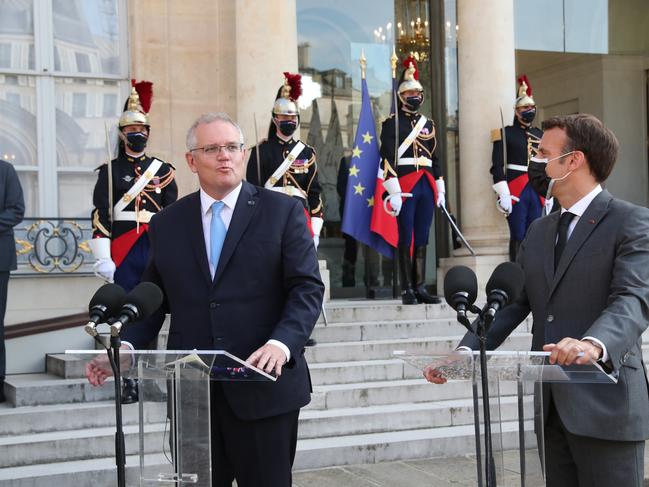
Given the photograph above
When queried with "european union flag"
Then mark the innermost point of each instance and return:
(363, 169)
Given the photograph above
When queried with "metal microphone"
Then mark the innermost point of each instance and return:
(104, 304)
(503, 287)
(140, 303)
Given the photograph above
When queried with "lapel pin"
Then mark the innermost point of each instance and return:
(591, 221)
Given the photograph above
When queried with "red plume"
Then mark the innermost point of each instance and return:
(411, 60)
(295, 82)
(523, 78)
(145, 92)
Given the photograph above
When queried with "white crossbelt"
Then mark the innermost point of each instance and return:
(289, 190)
(118, 211)
(412, 161)
(283, 167)
(414, 133)
(517, 167)
(142, 216)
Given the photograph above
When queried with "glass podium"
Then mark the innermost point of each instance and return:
(172, 438)
(515, 381)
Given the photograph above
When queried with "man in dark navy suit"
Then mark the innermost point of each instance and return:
(239, 272)
(12, 209)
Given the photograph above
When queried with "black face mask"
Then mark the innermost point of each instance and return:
(287, 127)
(414, 102)
(528, 115)
(136, 141)
(538, 179)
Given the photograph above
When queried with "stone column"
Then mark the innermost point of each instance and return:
(266, 46)
(487, 83)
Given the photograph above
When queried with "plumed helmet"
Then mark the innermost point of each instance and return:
(288, 94)
(410, 76)
(138, 105)
(524, 93)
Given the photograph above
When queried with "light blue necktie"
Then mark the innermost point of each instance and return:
(217, 233)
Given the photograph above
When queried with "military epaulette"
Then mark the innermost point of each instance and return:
(496, 135)
(170, 165)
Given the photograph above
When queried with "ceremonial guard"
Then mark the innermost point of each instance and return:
(129, 190)
(513, 147)
(284, 163)
(413, 180)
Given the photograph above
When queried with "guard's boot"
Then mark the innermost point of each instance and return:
(419, 278)
(405, 276)
(129, 390)
(514, 245)
(349, 274)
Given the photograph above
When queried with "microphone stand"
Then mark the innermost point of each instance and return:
(112, 351)
(483, 322)
(479, 328)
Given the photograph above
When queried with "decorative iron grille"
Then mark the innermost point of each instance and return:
(53, 246)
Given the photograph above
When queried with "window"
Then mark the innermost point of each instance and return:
(73, 78)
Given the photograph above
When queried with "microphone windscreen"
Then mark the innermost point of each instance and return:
(146, 297)
(109, 295)
(507, 277)
(460, 279)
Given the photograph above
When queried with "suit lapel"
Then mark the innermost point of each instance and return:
(194, 223)
(243, 211)
(591, 218)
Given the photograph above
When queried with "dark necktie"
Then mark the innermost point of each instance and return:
(562, 235)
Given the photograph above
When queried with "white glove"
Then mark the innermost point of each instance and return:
(504, 204)
(395, 203)
(441, 193)
(316, 226)
(549, 203)
(393, 188)
(104, 267)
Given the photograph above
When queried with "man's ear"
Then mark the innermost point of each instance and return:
(578, 160)
(189, 157)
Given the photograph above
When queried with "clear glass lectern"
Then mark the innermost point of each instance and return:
(172, 434)
(515, 405)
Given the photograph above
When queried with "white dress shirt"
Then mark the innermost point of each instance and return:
(229, 202)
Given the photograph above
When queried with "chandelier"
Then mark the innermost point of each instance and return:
(412, 33)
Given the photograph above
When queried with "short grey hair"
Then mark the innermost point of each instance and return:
(206, 118)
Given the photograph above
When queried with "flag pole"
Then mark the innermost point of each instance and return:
(393, 63)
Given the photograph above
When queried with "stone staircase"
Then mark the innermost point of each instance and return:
(367, 406)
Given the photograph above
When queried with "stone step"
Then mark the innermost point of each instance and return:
(383, 329)
(97, 472)
(354, 310)
(40, 389)
(383, 349)
(70, 445)
(419, 443)
(87, 443)
(391, 392)
(57, 417)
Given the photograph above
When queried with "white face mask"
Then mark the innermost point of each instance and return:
(545, 160)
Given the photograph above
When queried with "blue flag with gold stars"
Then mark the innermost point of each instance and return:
(363, 170)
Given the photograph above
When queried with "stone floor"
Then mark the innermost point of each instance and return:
(440, 472)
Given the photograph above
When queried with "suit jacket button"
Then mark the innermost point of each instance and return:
(213, 304)
(550, 318)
